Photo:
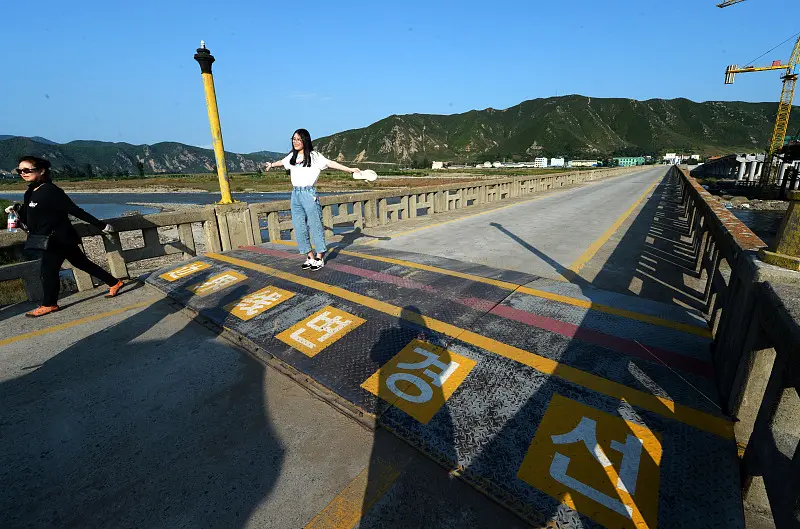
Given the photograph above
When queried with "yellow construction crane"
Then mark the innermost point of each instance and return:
(769, 173)
(727, 3)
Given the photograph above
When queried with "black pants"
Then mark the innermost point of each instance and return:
(52, 260)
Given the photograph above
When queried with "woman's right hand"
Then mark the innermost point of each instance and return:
(11, 208)
(269, 166)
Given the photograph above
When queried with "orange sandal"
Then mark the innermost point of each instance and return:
(41, 311)
(114, 290)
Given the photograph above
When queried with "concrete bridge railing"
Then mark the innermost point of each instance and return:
(379, 208)
(768, 406)
(225, 227)
(753, 310)
(118, 256)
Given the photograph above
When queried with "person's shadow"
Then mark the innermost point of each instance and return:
(402, 396)
(349, 238)
(142, 424)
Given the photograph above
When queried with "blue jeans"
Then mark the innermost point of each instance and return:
(307, 213)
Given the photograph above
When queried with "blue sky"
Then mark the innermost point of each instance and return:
(123, 71)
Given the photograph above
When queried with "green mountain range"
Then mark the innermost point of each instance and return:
(116, 159)
(573, 126)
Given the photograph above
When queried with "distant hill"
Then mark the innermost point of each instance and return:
(573, 126)
(109, 159)
(35, 138)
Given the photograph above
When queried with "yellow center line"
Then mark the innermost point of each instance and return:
(581, 261)
(74, 323)
(576, 302)
(355, 500)
(662, 406)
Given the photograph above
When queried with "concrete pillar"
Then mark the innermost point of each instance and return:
(786, 249)
(752, 174)
(781, 172)
(740, 177)
(759, 168)
(235, 227)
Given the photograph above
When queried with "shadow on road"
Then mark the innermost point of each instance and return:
(654, 258)
(349, 238)
(139, 425)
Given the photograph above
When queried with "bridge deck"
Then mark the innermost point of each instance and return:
(561, 401)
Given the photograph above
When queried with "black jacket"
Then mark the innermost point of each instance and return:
(45, 210)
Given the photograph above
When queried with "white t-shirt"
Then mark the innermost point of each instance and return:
(305, 176)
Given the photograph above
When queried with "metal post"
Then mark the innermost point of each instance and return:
(205, 59)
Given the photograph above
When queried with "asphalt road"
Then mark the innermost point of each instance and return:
(543, 236)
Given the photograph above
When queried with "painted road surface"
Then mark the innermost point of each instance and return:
(513, 382)
(543, 236)
(125, 412)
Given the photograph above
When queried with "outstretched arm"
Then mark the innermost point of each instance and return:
(270, 165)
(340, 167)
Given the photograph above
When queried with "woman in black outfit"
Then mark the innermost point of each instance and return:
(45, 211)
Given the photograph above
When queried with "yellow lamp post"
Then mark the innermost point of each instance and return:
(205, 59)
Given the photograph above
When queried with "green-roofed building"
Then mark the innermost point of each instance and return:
(629, 161)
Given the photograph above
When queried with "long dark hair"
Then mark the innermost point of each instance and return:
(307, 148)
(38, 163)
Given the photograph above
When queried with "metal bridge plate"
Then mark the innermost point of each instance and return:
(511, 391)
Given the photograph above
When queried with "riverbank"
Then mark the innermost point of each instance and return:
(273, 182)
(737, 202)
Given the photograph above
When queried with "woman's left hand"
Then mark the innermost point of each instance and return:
(109, 229)
(355, 170)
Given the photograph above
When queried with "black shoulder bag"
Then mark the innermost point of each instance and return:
(38, 242)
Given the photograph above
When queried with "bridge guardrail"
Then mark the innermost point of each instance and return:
(229, 226)
(769, 407)
(753, 311)
(379, 208)
(117, 256)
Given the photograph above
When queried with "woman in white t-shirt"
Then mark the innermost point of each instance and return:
(305, 164)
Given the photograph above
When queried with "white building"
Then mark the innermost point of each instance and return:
(583, 163)
(540, 162)
(556, 162)
(674, 158)
(497, 164)
(437, 165)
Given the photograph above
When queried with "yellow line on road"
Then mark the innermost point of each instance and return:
(662, 406)
(576, 302)
(74, 323)
(596, 245)
(623, 313)
(355, 500)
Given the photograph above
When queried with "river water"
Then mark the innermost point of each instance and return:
(765, 224)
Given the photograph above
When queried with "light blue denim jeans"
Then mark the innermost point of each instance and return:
(307, 214)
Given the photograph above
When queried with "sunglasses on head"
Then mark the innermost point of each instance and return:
(26, 170)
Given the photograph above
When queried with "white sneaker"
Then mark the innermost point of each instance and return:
(308, 264)
(317, 264)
